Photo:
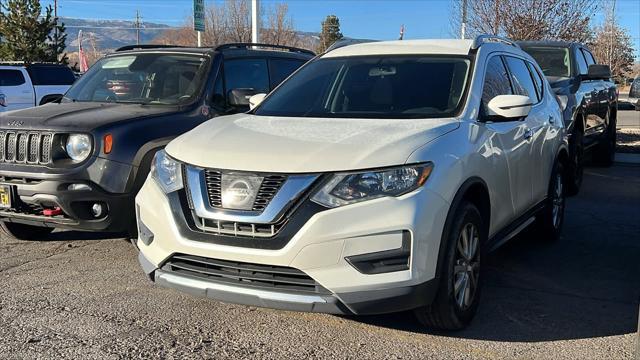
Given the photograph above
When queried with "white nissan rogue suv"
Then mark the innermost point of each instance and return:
(373, 180)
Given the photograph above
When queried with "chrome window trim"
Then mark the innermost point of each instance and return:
(293, 187)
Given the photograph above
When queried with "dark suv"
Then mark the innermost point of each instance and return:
(79, 163)
(587, 97)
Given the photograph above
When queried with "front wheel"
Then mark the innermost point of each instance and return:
(458, 293)
(24, 232)
(551, 218)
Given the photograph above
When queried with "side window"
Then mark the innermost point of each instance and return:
(51, 75)
(580, 62)
(537, 79)
(496, 82)
(246, 74)
(589, 57)
(521, 78)
(280, 69)
(11, 78)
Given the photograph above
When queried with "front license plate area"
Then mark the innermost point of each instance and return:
(5, 197)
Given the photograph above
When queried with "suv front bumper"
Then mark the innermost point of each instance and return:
(74, 193)
(321, 247)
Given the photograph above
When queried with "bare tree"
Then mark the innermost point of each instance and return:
(238, 20)
(279, 29)
(528, 19)
(612, 45)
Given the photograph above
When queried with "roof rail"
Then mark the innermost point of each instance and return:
(23, 63)
(146, 46)
(484, 38)
(346, 42)
(272, 46)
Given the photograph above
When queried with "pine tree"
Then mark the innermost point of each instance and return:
(28, 35)
(330, 32)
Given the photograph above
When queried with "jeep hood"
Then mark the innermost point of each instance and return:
(304, 145)
(78, 116)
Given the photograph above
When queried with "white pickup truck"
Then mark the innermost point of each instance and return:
(23, 86)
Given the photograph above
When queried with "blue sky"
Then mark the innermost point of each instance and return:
(373, 19)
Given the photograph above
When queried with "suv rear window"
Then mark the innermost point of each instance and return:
(51, 75)
(401, 87)
(11, 78)
(554, 61)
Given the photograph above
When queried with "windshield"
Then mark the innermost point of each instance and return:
(553, 61)
(372, 87)
(152, 78)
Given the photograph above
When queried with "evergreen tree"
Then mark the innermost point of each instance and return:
(29, 35)
(330, 32)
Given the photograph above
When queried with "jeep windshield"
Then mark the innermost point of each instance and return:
(150, 78)
(402, 87)
(554, 61)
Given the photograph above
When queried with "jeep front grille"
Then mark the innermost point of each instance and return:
(25, 147)
(275, 278)
(268, 189)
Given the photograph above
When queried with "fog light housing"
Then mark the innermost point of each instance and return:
(79, 187)
(144, 233)
(97, 210)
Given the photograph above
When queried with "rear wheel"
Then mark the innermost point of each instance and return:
(551, 218)
(576, 166)
(24, 232)
(458, 294)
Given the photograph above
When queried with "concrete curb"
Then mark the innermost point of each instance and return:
(627, 158)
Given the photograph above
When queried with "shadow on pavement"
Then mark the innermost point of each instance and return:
(586, 285)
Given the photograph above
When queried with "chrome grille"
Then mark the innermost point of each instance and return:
(268, 189)
(278, 278)
(220, 227)
(25, 147)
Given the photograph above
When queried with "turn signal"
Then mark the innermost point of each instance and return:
(108, 143)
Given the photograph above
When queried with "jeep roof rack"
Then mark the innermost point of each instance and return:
(22, 63)
(484, 38)
(346, 42)
(146, 46)
(249, 45)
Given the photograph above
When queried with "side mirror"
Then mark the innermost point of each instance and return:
(509, 107)
(52, 99)
(255, 100)
(598, 72)
(240, 97)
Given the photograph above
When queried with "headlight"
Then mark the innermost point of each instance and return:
(349, 188)
(166, 172)
(78, 146)
(563, 100)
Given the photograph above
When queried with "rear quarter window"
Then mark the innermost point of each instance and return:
(11, 78)
(51, 75)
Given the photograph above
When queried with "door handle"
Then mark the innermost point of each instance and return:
(528, 134)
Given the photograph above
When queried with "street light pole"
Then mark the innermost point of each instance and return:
(255, 21)
(463, 25)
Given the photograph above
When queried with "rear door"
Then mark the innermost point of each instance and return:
(16, 87)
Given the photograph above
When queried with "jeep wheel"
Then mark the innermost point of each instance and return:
(604, 153)
(551, 218)
(24, 232)
(575, 169)
(458, 293)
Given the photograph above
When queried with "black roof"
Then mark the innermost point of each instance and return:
(234, 49)
(550, 43)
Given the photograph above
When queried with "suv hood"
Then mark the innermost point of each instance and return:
(78, 116)
(304, 145)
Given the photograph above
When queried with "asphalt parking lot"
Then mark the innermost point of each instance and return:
(81, 295)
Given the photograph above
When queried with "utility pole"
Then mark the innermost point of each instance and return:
(137, 27)
(55, 30)
(463, 23)
(612, 38)
(255, 21)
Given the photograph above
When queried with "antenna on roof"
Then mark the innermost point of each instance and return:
(401, 32)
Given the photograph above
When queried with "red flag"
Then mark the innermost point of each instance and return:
(84, 66)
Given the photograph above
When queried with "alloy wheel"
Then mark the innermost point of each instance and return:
(467, 266)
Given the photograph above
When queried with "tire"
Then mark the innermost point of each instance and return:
(605, 152)
(24, 232)
(550, 219)
(451, 310)
(575, 171)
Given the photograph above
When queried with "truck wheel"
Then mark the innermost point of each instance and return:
(550, 219)
(23, 232)
(605, 152)
(458, 294)
(576, 166)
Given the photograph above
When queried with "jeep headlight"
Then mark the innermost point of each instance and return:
(166, 172)
(348, 188)
(78, 146)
